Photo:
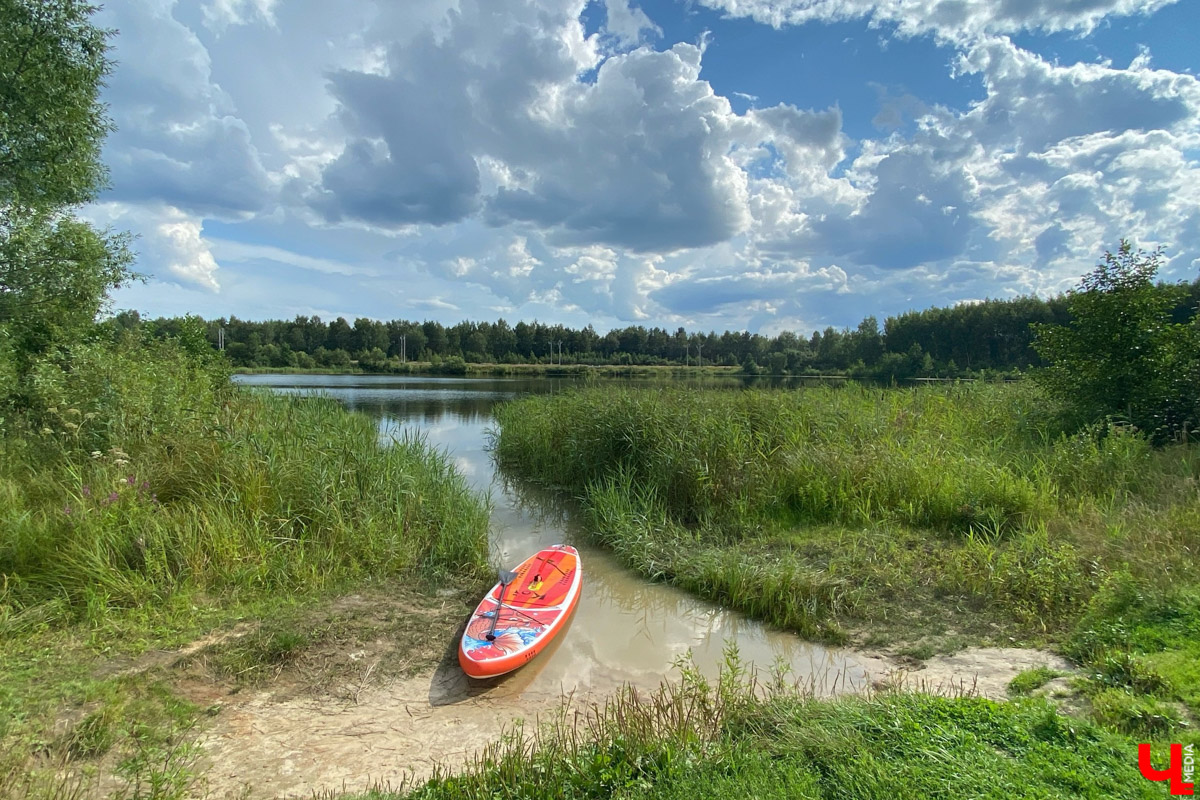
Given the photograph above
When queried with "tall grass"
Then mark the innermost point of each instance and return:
(941, 458)
(146, 475)
(815, 508)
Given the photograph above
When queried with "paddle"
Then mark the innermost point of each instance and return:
(506, 577)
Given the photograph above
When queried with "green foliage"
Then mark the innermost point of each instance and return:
(825, 508)
(1135, 715)
(1137, 641)
(55, 271)
(52, 63)
(1121, 356)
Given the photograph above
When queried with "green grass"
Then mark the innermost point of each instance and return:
(1031, 679)
(735, 738)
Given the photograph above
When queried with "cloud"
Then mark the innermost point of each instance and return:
(178, 139)
(192, 261)
(919, 212)
(948, 19)
(627, 23)
(219, 14)
(1051, 166)
(170, 246)
(641, 160)
(638, 158)
(1032, 104)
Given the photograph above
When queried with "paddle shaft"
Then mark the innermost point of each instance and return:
(505, 579)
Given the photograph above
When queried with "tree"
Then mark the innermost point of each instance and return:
(1121, 356)
(55, 271)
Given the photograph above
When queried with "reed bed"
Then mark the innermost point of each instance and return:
(828, 507)
(154, 477)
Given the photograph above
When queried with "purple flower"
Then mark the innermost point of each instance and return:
(145, 486)
(112, 498)
(87, 491)
(66, 510)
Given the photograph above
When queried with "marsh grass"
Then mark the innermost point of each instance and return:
(268, 493)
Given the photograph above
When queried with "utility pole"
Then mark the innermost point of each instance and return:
(700, 354)
(687, 355)
(559, 352)
(403, 348)
(220, 338)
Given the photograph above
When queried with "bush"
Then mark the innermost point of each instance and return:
(1121, 356)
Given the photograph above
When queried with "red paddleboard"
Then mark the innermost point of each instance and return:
(536, 605)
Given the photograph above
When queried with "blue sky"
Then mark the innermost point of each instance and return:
(715, 164)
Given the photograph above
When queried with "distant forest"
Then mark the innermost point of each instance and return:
(989, 337)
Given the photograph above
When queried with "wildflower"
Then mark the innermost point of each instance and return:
(120, 462)
(67, 510)
(112, 498)
(73, 412)
(87, 491)
(46, 431)
(145, 486)
(71, 426)
(96, 454)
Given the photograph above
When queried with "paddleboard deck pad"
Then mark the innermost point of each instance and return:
(536, 606)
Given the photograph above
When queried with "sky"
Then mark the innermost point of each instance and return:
(759, 165)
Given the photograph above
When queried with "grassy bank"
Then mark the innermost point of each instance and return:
(145, 501)
(735, 739)
(921, 519)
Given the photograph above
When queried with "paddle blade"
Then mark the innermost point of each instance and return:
(506, 577)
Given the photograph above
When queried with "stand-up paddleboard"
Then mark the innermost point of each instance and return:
(521, 614)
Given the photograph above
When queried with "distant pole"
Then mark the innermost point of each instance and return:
(220, 338)
(700, 354)
(687, 355)
(403, 348)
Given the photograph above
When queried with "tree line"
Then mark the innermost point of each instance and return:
(993, 336)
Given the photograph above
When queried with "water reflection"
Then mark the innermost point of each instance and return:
(625, 628)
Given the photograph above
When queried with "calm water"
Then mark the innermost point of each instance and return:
(625, 629)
